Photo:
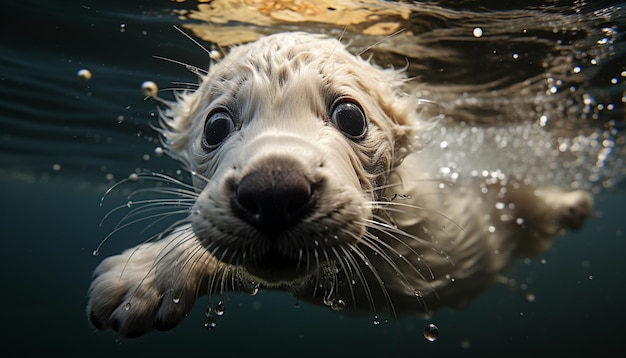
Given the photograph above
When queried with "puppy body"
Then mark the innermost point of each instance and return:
(307, 175)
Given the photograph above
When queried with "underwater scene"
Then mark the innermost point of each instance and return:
(536, 89)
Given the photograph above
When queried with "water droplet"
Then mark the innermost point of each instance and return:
(176, 299)
(210, 323)
(376, 321)
(477, 32)
(219, 308)
(158, 151)
(338, 305)
(127, 306)
(95, 252)
(431, 332)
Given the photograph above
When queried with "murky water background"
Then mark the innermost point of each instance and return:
(63, 141)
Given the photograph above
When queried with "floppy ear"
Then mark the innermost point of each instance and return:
(413, 123)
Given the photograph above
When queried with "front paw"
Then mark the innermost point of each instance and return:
(148, 287)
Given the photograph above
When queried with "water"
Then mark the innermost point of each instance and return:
(65, 139)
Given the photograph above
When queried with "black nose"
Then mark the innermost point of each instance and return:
(274, 197)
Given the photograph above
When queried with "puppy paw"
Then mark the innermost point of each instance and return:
(148, 287)
(566, 209)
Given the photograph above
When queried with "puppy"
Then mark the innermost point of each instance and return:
(306, 177)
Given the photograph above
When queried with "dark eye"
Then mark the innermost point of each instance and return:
(218, 126)
(348, 117)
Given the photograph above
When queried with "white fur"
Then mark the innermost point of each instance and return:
(408, 245)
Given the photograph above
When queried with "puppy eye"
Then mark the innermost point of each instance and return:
(348, 117)
(218, 126)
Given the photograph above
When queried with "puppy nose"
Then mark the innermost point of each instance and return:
(274, 197)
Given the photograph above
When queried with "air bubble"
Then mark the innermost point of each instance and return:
(149, 88)
(127, 306)
(84, 74)
(376, 321)
(210, 323)
(431, 332)
(219, 308)
(477, 32)
(338, 305)
(176, 300)
(95, 252)
(215, 55)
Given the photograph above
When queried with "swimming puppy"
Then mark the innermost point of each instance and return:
(305, 165)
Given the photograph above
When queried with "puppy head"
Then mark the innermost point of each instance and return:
(291, 138)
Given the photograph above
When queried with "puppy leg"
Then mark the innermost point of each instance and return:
(546, 214)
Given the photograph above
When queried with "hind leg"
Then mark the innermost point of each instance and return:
(151, 286)
(547, 213)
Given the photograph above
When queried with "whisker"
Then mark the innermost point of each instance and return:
(347, 251)
(372, 242)
(380, 41)
(193, 69)
(388, 230)
(192, 40)
(368, 263)
(387, 204)
(347, 269)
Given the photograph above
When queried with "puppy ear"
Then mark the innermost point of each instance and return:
(415, 121)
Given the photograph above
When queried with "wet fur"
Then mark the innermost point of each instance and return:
(377, 238)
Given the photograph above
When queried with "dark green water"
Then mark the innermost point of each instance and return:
(61, 140)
